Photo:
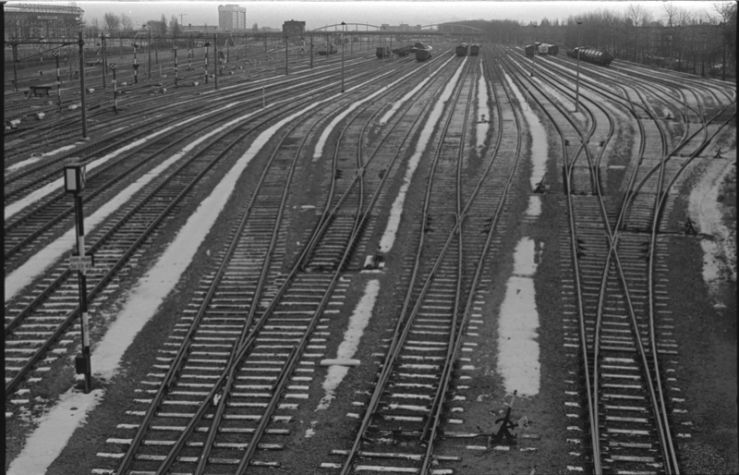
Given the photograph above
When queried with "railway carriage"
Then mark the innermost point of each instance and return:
(547, 49)
(422, 51)
(474, 50)
(462, 49)
(591, 55)
(529, 50)
(403, 50)
(383, 52)
(330, 49)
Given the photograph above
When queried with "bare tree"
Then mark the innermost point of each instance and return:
(112, 21)
(638, 15)
(671, 11)
(174, 26)
(126, 22)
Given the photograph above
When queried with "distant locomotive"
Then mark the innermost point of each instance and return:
(462, 49)
(423, 52)
(546, 48)
(541, 49)
(383, 52)
(474, 50)
(330, 49)
(591, 55)
(403, 50)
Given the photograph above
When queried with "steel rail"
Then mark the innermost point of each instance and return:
(455, 328)
(179, 360)
(110, 234)
(402, 324)
(665, 438)
(395, 345)
(320, 230)
(243, 346)
(213, 105)
(669, 455)
(98, 288)
(446, 376)
(224, 386)
(589, 389)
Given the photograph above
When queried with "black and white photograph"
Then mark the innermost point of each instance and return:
(370, 237)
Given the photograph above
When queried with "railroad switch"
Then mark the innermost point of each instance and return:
(690, 227)
(504, 431)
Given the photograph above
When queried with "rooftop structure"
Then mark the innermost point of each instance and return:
(25, 21)
(231, 18)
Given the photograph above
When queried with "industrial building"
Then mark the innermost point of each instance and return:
(293, 28)
(24, 21)
(231, 18)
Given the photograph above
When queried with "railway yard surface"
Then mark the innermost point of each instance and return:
(464, 265)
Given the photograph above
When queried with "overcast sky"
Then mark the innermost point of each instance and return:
(321, 13)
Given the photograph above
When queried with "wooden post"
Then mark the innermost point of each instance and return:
(82, 85)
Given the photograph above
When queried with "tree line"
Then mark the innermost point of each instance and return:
(700, 43)
(122, 23)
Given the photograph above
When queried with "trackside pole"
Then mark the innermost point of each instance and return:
(74, 182)
(174, 51)
(216, 60)
(82, 85)
(58, 81)
(115, 89)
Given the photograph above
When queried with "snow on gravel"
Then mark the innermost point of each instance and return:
(388, 237)
(36, 158)
(483, 110)
(47, 441)
(518, 323)
(36, 195)
(348, 347)
(39, 262)
(719, 251)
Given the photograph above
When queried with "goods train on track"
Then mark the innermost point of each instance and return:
(591, 55)
(463, 49)
(383, 52)
(422, 51)
(541, 49)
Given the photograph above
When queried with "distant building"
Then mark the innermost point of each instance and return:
(25, 21)
(231, 18)
(194, 29)
(293, 28)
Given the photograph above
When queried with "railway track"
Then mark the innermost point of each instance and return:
(245, 356)
(36, 224)
(133, 96)
(624, 345)
(23, 313)
(407, 409)
(284, 323)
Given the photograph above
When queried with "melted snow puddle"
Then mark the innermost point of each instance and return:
(56, 427)
(388, 237)
(36, 158)
(539, 146)
(483, 111)
(348, 348)
(704, 210)
(518, 324)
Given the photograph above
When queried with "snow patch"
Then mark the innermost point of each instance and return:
(348, 348)
(719, 253)
(393, 222)
(518, 349)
